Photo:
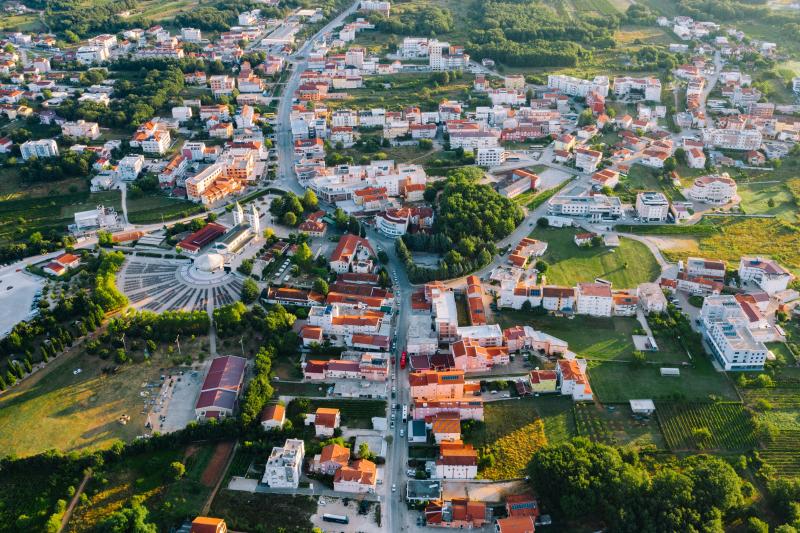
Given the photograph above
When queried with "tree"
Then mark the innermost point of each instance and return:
(639, 359)
(310, 200)
(542, 222)
(364, 452)
(425, 144)
(755, 525)
(289, 219)
(302, 256)
(670, 164)
(541, 266)
(176, 470)
(586, 118)
(321, 286)
(131, 519)
(383, 257)
(250, 290)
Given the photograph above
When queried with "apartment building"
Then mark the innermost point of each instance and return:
(577, 87)
(81, 129)
(594, 299)
(652, 206)
(42, 149)
(573, 379)
(443, 56)
(648, 88)
(284, 465)
(596, 207)
(715, 189)
(435, 384)
(732, 139)
(443, 303)
(587, 160)
(352, 254)
(129, 167)
(727, 336)
(456, 460)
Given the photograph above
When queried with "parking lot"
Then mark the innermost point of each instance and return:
(178, 397)
(358, 523)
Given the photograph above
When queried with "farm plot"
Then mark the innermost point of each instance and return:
(784, 454)
(778, 397)
(616, 425)
(710, 426)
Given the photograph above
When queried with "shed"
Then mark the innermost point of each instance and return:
(643, 407)
(674, 372)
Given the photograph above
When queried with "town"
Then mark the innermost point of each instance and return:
(379, 266)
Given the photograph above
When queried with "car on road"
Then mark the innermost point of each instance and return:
(394, 487)
(402, 432)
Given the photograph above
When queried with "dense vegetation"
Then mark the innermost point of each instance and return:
(598, 482)
(470, 218)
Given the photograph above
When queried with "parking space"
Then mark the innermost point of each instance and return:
(336, 506)
(178, 396)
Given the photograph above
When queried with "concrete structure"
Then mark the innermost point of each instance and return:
(715, 189)
(652, 206)
(41, 149)
(727, 336)
(284, 465)
(766, 273)
(594, 299)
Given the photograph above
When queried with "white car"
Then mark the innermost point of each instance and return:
(394, 487)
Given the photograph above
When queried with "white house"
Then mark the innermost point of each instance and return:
(766, 273)
(41, 148)
(716, 189)
(490, 157)
(130, 166)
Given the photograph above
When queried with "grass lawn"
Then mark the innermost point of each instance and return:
(155, 208)
(616, 382)
(355, 413)
(284, 388)
(590, 337)
(625, 266)
(58, 409)
(641, 178)
(400, 90)
(756, 196)
(243, 511)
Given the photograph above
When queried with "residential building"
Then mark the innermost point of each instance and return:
(460, 513)
(352, 254)
(716, 189)
(578, 87)
(652, 206)
(204, 524)
(573, 379)
(284, 465)
(724, 325)
(330, 459)
(516, 524)
(587, 160)
(706, 268)
(648, 88)
(605, 178)
(62, 264)
(560, 299)
(222, 84)
(651, 298)
(766, 273)
(437, 384)
(596, 207)
(42, 148)
(326, 420)
(456, 461)
(273, 416)
(594, 299)
(444, 310)
(732, 139)
(695, 157)
(130, 166)
(360, 476)
(490, 157)
(81, 129)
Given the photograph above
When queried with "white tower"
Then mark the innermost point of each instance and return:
(238, 214)
(254, 219)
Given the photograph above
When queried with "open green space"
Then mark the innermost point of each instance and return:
(355, 413)
(148, 476)
(779, 408)
(640, 179)
(157, 208)
(244, 511)
(614, 382)
(706, 426)
(56, 408)
(625, 266)
(589, 337)
(615, 425)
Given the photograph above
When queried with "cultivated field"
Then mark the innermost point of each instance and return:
(615, 425)
(728, 424)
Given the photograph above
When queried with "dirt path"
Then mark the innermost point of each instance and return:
(74, 501)
(217, 467)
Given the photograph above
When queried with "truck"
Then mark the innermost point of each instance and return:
(405, 413)
(403, 360)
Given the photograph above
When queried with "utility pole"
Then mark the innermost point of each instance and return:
(178, 342)
(241, 343)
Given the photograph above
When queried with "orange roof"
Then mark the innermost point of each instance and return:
(361, 471)
(336, 453)
(446, 423)
(326, 416)
(204, 524)
(275, 412)
(516, 524)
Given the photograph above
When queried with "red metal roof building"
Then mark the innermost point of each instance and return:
(221, 388)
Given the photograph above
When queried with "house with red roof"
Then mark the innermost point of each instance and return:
(273, 416)
(460, 513)
(456, 460)
(330, 459)
(573, 379)
(352, 254)
(61, 264)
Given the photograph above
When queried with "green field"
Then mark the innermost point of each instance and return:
(158, 208)
(780, 407)
(614, 382)
(641, 178)
(626, 266)
(592, 337)
(729, 424)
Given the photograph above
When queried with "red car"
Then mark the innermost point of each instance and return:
(403, 360)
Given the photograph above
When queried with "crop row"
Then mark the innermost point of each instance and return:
(780, 398)
(724, 426)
